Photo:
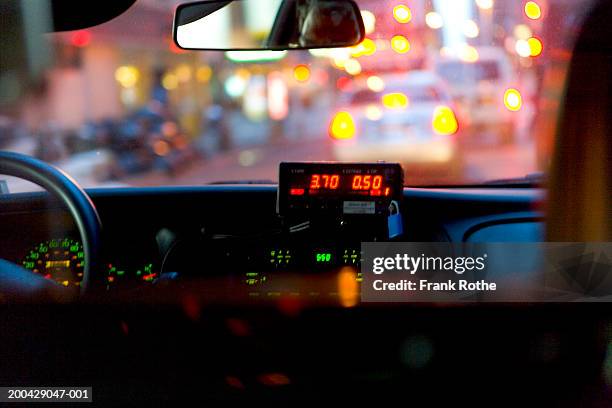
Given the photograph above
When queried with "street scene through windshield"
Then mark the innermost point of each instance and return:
(456, 91)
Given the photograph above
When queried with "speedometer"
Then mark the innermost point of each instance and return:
(61, 260)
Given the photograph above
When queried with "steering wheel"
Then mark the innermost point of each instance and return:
(79, 204)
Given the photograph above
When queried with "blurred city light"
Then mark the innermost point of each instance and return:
(183, 72)
(255, 56)
(348, 288)
(484, 4)
(343, 83)
(366, 47)
(254, 103)
(243, 73)
(402, 13)
(204, 73)
(342, 126)
(369, 21)
(400, 44)
(339, 57)
(532, 10)
(522, 48)
(352, 67)
(339, 62)
(369, 46)
(434, 20)
(454, 13)
(301, 73)
(373, 112)
(247, 158)
(235, 86)
(80, 38)
(469, 54)
(535, 46)
(170, 81)
(278, 96)
(395, 100)
(127, 75)
(470, 29)
(444, 121)
(513, 100)
(522, 32)
(161, 147)
(375, 83)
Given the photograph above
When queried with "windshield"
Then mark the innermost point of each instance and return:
(456, 91)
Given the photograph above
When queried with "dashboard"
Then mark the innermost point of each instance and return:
(237, 230)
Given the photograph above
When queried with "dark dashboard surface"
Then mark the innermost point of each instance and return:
(284, 352)
(214, 230)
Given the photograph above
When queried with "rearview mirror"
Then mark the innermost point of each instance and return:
(267, 24)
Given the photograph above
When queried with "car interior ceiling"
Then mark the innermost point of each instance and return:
(579, 205)
(76, 15)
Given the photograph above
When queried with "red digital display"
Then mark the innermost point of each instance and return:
(326, 181)
(371, 184)
(326, 187)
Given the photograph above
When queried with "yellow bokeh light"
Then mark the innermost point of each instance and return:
(369, 21)
(127, 75)
(204, 73)
(469, 54)
(402, 13)
(532, 10)
(243, 73)
(369, 46)
(375, 83)
(513, 100)
(395, 100)
(444, 121)
(301, 73)
(183, 72)
(339, 62)
(352, 67)
(342, 126)
(366, 47)
(400, 44)
(535, 46)
(170, 81)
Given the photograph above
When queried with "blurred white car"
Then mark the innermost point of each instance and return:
(405, 118)
(478, 87)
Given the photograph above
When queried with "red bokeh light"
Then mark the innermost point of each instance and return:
(80, 38)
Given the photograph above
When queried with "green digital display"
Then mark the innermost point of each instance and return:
(117, 274)
(280, 257)
(351, 256)
(323, 257)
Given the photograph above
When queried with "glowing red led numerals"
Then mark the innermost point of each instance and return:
(366, 182)
(329, 181)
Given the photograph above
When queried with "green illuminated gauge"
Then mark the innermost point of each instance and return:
(116, 274)
(61, 260)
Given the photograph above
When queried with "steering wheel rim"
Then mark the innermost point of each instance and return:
(70, 193)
